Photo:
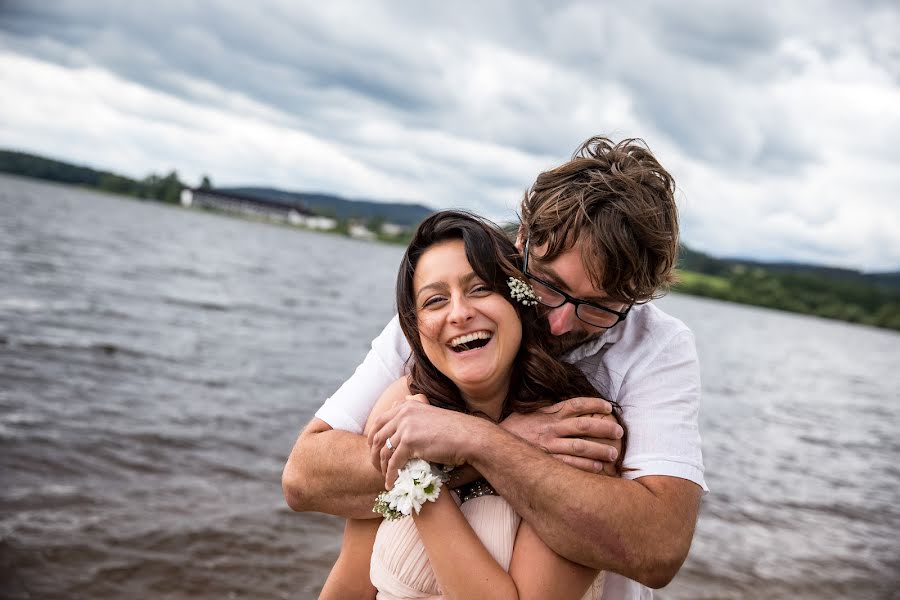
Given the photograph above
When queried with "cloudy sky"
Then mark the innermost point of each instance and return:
(781, 125)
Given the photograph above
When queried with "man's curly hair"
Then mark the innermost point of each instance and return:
(618, 203)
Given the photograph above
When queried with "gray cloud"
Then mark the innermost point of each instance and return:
(445, 102)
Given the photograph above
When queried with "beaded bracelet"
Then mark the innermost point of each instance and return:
(476, 489)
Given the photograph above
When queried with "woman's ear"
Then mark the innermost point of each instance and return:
(520, 238)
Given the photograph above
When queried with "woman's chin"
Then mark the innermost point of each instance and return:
(480, 384)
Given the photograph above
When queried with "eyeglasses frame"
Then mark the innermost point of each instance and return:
(576, 302)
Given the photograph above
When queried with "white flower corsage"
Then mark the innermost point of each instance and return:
(418, 482)
(521, 291)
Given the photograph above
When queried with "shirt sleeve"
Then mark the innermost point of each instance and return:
(349, 407)
(660, 398)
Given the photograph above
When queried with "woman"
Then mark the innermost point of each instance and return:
(477, 351)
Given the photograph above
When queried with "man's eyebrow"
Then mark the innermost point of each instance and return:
(549, 273)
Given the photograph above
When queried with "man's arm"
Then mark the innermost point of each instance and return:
(640, 528)
(329, 471)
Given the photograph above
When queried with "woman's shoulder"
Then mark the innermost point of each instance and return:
(394, 393)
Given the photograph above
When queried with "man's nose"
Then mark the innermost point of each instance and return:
(562, 319)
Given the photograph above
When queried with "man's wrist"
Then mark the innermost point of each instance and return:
(478, 432)
(520, 426)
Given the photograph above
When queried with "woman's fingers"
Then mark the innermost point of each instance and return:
(397, 460)
(388, 450)
(378, 437)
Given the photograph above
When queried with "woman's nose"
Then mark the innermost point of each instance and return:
(461, 310)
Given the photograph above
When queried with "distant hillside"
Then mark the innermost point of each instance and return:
(30, 165)
(335, 206)
(868, 298)
(692, 260)
(153, 187)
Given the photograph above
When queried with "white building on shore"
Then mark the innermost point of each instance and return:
(251, 206)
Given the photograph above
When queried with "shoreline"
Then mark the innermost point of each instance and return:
(748, 287)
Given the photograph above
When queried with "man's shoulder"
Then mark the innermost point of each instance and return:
(654, 340)
(391, 340)
(648, 322)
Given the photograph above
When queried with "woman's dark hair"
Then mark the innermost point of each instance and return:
(538, 378)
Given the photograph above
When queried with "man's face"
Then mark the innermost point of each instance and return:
(567, 272)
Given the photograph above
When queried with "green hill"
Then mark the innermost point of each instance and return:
(845, 294)
(703, 263)
(152, 187)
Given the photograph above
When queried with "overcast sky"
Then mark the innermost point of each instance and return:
(781, 126)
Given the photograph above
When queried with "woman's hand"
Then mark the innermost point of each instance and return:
(419, 430)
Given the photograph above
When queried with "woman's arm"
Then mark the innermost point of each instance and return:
(349, 578)
(465, 569)
(540, 573)
(535, 571)
(463, 566)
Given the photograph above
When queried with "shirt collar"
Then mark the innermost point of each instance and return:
(591, 347)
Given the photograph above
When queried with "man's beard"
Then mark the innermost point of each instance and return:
(559, 345)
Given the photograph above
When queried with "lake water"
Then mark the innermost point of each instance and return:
(156, 364)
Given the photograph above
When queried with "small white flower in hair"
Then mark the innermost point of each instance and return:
(521, 291)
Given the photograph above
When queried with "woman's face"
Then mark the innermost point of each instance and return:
(470, 333)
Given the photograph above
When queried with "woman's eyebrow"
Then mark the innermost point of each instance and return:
(436, 286)
(442, 286)
(468, 277)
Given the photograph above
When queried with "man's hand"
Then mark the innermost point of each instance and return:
(419, 430)
(580, 432)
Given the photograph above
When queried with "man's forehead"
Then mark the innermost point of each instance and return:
(567, 270)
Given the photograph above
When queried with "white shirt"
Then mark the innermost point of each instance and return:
(647, 363)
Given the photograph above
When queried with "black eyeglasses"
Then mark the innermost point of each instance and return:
(550, 295)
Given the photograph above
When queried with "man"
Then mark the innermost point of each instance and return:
(599, 236)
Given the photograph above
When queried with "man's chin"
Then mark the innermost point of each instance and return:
(561, 344)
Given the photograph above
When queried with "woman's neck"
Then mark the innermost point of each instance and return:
(486, 401)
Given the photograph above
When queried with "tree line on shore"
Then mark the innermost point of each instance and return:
(164, 188)
(844, 294)
(870, 299)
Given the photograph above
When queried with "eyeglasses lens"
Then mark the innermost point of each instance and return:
(587, 313)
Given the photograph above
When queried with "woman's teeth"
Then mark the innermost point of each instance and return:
(465, 342)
